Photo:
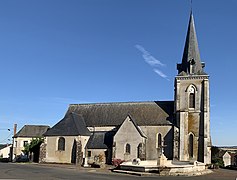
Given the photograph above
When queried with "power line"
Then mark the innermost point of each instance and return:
(6, 138)
(6, 129)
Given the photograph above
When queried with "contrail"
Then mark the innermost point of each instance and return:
(160, 73)
(152, 61)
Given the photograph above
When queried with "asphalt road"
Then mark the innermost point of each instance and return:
(48, 172)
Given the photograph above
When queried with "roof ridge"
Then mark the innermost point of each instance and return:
(31, 131)
(128, 102)
(35, 125)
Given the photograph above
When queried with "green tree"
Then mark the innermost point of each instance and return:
(216, 156)
(33, 145)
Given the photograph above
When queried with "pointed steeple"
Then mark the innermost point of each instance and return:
(191, 62)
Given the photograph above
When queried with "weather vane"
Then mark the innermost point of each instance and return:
(191, 5)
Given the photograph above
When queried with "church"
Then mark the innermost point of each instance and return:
(106, 132)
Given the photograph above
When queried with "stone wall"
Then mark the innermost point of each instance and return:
(42, 154)
(127, 134)
(152, 140)
(79, 153)
(193, 121)
(71, 154)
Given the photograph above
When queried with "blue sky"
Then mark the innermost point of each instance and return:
(56, 52)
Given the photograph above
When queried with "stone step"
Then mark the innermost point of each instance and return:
(133, 172)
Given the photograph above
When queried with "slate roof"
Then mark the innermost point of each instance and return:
(191, 52)
(81, 116)
(2, 146)
(32, 131)
(113, 114)
(100, 140)
(72, 124)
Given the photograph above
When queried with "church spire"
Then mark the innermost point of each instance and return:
(191, 62)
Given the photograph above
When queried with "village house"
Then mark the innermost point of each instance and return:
(24, 137)
(229, 156)
(103, 132)
(5, 151)
(229, 159)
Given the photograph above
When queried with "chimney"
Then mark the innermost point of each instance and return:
(15, 129)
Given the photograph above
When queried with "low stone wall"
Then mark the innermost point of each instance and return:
(171, 168)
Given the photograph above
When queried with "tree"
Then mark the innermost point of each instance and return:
(216, 156)
(33, 146)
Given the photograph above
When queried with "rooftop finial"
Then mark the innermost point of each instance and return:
(191, 6)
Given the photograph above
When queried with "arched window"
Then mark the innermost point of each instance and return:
(127, 149)
(191, 100)
(61, 144)
(191, 97)
(159, 141)
(190, 146)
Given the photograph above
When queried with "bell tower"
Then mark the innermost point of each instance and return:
(192, 104)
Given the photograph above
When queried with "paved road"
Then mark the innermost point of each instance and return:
(48, 172)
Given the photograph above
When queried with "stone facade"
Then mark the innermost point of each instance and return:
(127, 140)
(133, 130)
(74, 149)
(195, 121)
(192, 104)
(152, 133)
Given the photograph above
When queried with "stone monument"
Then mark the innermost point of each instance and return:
(161, 158)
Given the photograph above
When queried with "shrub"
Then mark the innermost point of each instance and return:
(117, 162)
(218, 162)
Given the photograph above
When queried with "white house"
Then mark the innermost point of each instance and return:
(5, 150)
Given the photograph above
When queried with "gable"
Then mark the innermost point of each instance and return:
(129, 127)
(226, 155)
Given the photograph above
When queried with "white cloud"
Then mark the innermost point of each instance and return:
(152, 61)
(160, 73)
